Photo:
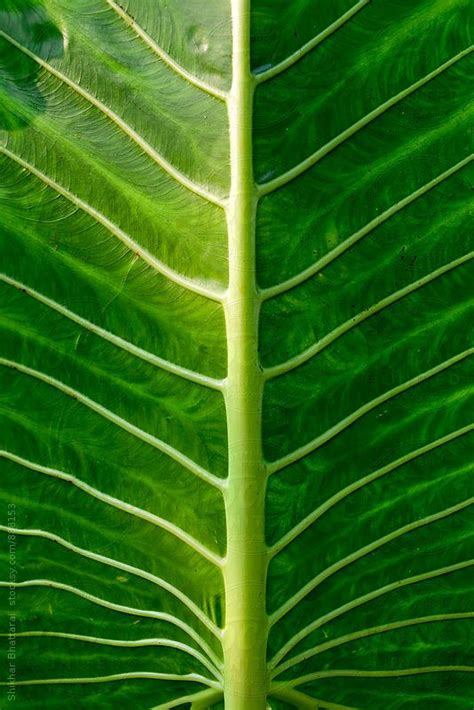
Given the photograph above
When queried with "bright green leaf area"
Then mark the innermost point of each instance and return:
(235, 354)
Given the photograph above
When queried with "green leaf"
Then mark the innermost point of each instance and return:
(235, 358)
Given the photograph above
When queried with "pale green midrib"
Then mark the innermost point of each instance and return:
(245, 566)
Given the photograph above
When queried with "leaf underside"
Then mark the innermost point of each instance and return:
(114, 182)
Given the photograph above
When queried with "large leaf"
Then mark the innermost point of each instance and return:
(236, 393)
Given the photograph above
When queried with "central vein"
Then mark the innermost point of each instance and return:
(246, 623)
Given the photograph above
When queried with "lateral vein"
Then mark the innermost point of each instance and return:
(331, 256)
(359, 554)
(319, 441)
(308, 46)
(120, 643)
(121, 124)
(199, 701)
(353, 487)
(137, 249)
(282, 180)
(359, 601)
(122, 343)
(378, 674)
(143, 675)
(365, 633)
(110, 562)
(320, 345)
(106, 604)
(164, 56)
(302, 701)
(135, 431)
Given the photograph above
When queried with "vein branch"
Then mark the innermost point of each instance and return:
(135, 675)
(306, 355)
(310, 45)
(110, 562)
(106, 604)
(366, 633)
(137, 249)
(135, 431)
(126, 345)
(357, 485)
(300, 700)
(360, 601)
(348, 421)
(366, 550)
(403, 672)
(120, 643)
(282, 180)
(199, 701)
(331, 256)
(164, 56)
(135, 137)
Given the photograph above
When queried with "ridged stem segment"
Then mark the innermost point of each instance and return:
(246, 623)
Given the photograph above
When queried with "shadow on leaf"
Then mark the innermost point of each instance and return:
(28, 24)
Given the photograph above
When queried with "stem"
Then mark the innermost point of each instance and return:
(245, 568)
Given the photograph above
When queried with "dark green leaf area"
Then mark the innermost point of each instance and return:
(449, 691)
(280, 27)
(383, 52)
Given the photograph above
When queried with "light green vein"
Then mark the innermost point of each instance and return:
(301, 700)
(103, 497)
(331, 256)
(163, 364)
(136, 571)
(143, 675)
(320, 345)
(365, 633)
(112, 606)
(135, 431)
(319, 441)
(199, 701)
(120, 643)
(359, 601)
(358, 554)
(378, 674)
(306, 48)
(164, 56)
(156, 264)
(115, 503)
(272, 185)
(175, 174)
(353, 487)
